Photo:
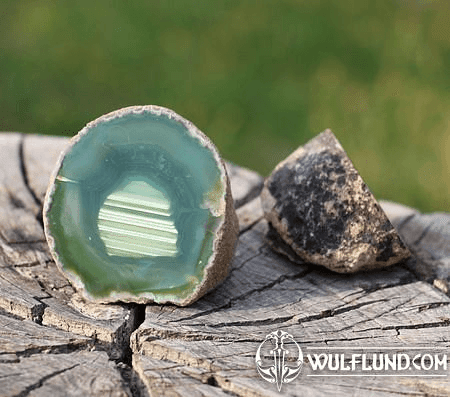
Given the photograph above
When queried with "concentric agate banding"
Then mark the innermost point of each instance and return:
(141, 174)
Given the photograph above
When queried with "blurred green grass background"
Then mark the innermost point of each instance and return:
(259, 77)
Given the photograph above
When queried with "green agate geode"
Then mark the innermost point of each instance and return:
(139, 209)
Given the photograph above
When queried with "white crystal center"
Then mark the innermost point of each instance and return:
(135, 221)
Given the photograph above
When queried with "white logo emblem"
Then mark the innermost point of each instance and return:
(279, 372)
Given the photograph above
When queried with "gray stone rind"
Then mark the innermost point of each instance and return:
(322, 210)
(224, 246)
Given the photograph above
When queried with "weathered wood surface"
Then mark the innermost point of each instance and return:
(54, 343)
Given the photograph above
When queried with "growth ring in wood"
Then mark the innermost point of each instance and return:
(321, 211)
(139, 209)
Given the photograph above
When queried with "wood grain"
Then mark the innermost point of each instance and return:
(54, 343)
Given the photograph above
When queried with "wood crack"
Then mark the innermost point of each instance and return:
(26, 242)
(24, 173)
(241, 265)
(31, 264)
(245, 295)
(345, 309)
(125, 367)
(344, 340)
(404, 222)
(437, 324)
(250, 226)
(272, 284)
(39, 310)
(252, 194)
(333, 312)
(392, 309)
(432, 305)
(250, 323)
(422, 235)
(38, 384)
(57, 349)
(151, 334)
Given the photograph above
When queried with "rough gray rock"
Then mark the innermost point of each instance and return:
(322, 212)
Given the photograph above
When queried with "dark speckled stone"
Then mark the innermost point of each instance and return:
(321, 211)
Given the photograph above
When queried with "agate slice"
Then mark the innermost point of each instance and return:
(139, 209)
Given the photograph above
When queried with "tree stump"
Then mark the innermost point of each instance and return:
(52, 343)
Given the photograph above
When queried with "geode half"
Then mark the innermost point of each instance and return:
(139, 209)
